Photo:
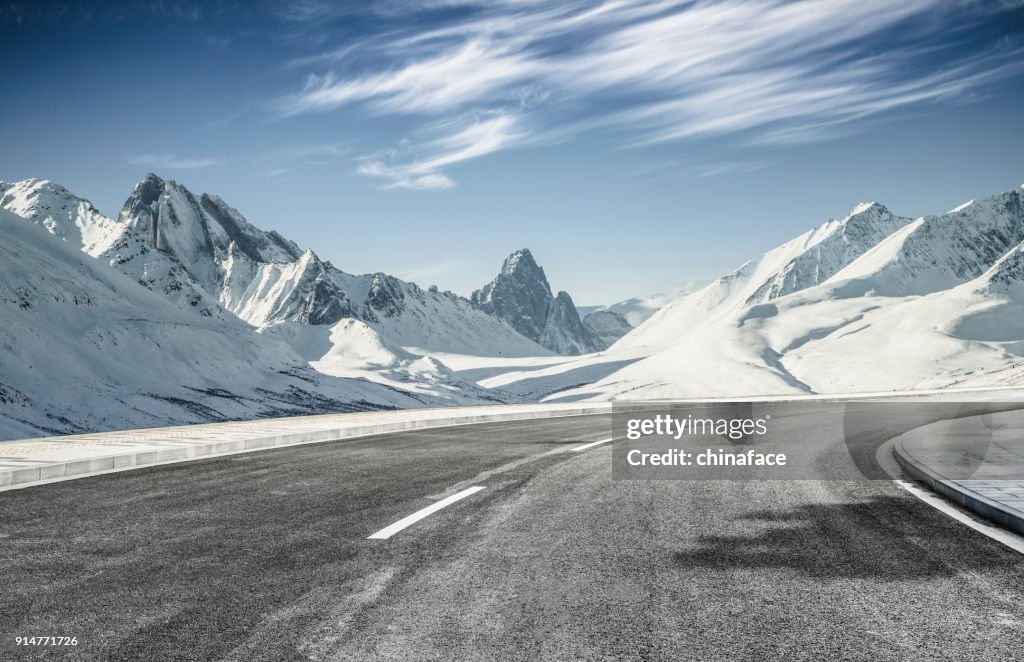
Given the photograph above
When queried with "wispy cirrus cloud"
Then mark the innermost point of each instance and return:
(657, 169)
(419, 166)
(171, 162)
(768, 71)
(726, 167)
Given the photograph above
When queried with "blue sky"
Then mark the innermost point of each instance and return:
(634, 146)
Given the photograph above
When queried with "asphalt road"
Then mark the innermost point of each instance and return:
(265, 556)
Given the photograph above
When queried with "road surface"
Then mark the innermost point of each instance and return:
(267, 556)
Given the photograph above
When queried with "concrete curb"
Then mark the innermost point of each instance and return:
(980, 505)
(16, 478)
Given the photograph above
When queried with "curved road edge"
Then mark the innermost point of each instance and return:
(917, 453)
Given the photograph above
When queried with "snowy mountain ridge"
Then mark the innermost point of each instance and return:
(870, 302)
(204, 260)
(203, 255)
(805, 261)
(227, 320)
(62, 213)
(83, 347)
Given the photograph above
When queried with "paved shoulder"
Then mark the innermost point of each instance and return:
(976, 461)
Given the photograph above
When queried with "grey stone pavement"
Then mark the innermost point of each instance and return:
(977, 461)
(47, 459)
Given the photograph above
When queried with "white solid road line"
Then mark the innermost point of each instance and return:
(887, 460)
(389, 531)
(591, 444)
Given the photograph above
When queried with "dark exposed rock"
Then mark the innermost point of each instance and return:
(249, 240)
(607, 326)
(521, 297)
(386, 296)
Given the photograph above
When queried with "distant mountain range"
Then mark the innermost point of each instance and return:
(870, 302)
(180, 310)
(203, 259)
(83, 347)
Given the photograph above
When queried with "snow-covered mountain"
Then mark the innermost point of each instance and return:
(62, 213)
(190, 313)
(806, 261)
(267, 280)
(220, 281)
(83, 347)
(521, 297)
(204, 256)
(872, 301)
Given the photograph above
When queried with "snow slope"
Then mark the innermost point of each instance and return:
(62, 213)
(203, 316)
(871, 302)
(82, 347)
(356, 350)
(204, 257)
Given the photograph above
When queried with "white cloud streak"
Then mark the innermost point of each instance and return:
(171, 162)
(419, 167)
(656, 70)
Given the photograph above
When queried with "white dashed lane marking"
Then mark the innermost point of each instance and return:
(389, 531)
(591, 444)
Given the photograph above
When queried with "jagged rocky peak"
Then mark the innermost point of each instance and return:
(522, 261)
(146, 193)
(142, 206)
(607, 326)
(386, 298)
(257, 245)
(201, 245)
(193, 228)
(316, 299)
(170, 218)
(521, 297)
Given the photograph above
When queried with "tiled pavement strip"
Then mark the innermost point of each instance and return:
(976, 461)
(30, 461)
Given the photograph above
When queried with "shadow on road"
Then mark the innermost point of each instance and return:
(855, 540)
